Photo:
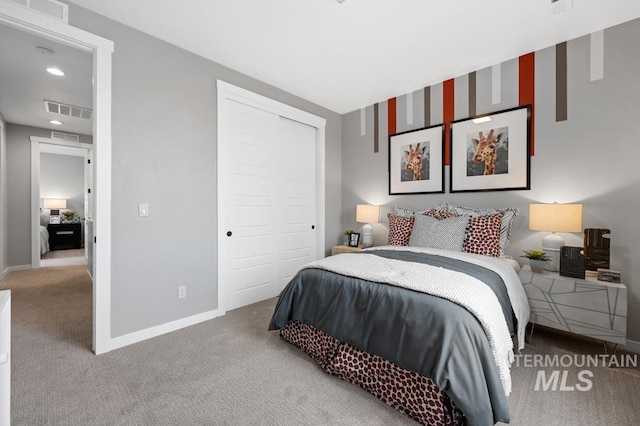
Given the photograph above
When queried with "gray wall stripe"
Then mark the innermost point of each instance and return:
(376, 132)
(597, 55)
(427, 106)
(472, 94)
(561, 81)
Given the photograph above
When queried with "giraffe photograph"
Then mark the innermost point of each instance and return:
(488, 152)
(491, 152)
(416, 161)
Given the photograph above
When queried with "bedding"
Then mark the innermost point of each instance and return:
(44, 240)
(427, 334)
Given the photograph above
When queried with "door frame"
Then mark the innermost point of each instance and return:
(227, 91)
(87, 153)
(23, 19)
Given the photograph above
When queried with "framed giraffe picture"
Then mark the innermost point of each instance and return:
(416, 163)
(491, 152)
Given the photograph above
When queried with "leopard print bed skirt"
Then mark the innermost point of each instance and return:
(407, 391)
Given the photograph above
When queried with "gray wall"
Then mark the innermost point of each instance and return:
(164, 154)
(62, 176)
(4, 242)
(591, 158)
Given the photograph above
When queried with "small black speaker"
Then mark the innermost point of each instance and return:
(572, 262)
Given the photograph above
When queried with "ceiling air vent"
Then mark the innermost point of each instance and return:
(51, 8)
(65, 137)
(67, 110)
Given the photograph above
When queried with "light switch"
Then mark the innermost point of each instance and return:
(143, 209)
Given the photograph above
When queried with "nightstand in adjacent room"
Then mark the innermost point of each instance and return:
(344, 249)
(65, 236)
(587, 307)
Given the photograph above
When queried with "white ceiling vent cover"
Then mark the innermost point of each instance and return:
(65, 137)
(51, 8)
(67, 110)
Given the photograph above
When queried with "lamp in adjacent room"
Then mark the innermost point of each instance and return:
(367, 214)
(54, 204)
(554, 218)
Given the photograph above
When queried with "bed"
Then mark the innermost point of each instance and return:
(44, 240)
(428, 330)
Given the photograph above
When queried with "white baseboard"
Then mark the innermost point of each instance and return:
(16, 269)
(632, 346)
(139, 336)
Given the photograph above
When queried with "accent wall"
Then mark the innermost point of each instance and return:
(585, 96)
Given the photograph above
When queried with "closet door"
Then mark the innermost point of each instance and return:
(268, 202)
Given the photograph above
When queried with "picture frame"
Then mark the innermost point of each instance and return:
(491, 152)
(416, 161)
(354, 239)
(54, 219)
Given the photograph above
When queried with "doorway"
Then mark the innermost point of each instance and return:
(18, 17)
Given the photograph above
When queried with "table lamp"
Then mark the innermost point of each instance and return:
(367, 214)
(554, 218)
(54, 204)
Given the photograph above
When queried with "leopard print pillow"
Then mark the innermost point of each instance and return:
(483, 235)
(399, 229)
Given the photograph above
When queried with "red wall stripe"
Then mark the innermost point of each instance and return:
(448, 113)
(391, 113)
(527, 87)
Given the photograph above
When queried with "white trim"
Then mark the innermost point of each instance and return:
(139, 336)
(18, 17)
(409, 105)
(16, 268)
(229, 91)
(496, 82)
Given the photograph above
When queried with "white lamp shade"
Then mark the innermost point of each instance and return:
(367, 213)
(555, 217)
(54, 203)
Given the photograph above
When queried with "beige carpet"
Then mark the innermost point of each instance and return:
(232, 371)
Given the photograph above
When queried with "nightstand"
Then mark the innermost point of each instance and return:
(587, 307)
(65, 235)
(344, 249)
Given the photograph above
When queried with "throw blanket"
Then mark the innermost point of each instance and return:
(457, 287)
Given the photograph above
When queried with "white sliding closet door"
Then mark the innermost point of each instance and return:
(267, 202)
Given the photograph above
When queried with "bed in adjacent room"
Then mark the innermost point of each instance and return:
(44, 240)
(429, 330)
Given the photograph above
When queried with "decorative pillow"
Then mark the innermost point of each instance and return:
(508, 214)
(446, 234)
(405, 212)
(399, 229)
(483, 235)
(440, 214)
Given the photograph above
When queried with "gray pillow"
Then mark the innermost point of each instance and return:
(445, 234)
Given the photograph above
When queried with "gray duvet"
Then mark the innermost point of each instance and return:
(419, 332)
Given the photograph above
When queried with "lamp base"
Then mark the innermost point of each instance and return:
(551, 246)
(367, 235)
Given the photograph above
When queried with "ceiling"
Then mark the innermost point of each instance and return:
(340, 56)
(25, 83)
(346, 56)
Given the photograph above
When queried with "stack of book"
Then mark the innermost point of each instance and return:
(608, 275)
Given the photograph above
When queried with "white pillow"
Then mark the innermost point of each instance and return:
(445, 234)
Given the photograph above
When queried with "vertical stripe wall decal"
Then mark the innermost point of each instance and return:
(448, 114)
(561, 81)
(496, 84)
(427, 106)
(409, 99)
(472, 94)
(376, 131)
(363, 121)
(391, 115)
(597, 55)
(527, 88)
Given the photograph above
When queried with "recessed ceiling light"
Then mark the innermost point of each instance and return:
(56, 122)
(55, 71)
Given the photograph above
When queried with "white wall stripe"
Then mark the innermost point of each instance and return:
(597, 55)
(496, 81)
(409, 98)
(363, 121)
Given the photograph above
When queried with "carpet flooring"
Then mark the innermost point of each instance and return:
(232, 371)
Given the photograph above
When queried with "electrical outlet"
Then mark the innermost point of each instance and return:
(143, 210)
(182, 291)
